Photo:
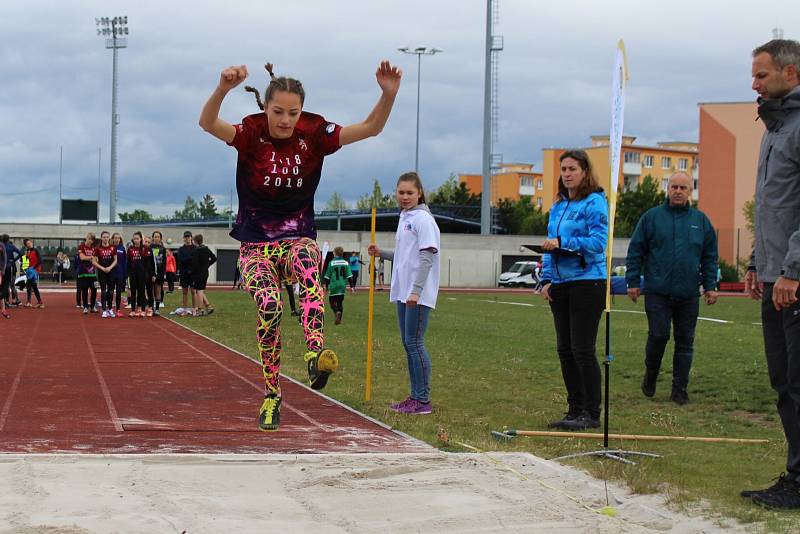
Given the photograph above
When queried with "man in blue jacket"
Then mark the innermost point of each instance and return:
(675, 247)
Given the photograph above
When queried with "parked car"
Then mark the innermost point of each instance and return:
(521, 274)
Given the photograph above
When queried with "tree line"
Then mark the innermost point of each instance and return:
(192, 210)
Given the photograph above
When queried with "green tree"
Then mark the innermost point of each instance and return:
(376, 199)
(749, 211)
(520, 217)
(453, 193)
(336, 203)
(135, 216)
(207, 209)
(632, 204)
(191, 210)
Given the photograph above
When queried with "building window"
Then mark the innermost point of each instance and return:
(631, 182)
(539, 184)
(539, 202)
(648, 162)
(631, 157)
(664, 184)
(666, 162)
(527, 181)
(683, 164)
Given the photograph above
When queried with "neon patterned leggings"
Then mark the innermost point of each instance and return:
(264, 266)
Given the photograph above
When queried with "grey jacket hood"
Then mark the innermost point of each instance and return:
(777, 232)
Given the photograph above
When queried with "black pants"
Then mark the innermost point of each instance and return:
(86, 284)
(106, 289)
(354, 279)
(136, 296)
(782, 348)
(337, 303)
(170, 282)
(577, 307)
(148, 290)
(119, 287)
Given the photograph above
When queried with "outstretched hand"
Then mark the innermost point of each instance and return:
(232, 76)
(388, 77)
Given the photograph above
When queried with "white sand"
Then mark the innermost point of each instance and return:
(438, 492)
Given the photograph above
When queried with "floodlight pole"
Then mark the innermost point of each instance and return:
(113, 28)
(419, 51)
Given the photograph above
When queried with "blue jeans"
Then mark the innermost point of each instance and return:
(413, 323)
(662, 311)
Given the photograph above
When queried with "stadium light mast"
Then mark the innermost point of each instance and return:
(419, 51)
(491, 161)
(113, 29)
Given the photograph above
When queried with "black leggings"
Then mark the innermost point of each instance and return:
(86, 284)
(119, 287)
(354, 279)
(136, 296)
(106, 289)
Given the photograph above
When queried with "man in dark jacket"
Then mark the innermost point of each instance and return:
(675, 247)
(774, 273)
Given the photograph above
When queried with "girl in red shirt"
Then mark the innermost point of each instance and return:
(279, 167)
(138, 270)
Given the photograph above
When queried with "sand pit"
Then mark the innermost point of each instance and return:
(438, 492)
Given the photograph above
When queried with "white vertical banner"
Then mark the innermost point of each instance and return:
(618, 82)
(326, 246)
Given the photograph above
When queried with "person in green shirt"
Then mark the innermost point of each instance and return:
(335, 278)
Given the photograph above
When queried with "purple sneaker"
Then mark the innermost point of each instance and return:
(415, 407)
(396, 406)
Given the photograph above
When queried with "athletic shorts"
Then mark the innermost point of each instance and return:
(186, 279)
(199, 282)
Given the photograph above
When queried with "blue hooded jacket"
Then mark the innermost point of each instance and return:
(581, 226)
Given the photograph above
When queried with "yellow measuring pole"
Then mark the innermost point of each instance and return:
(368, 383)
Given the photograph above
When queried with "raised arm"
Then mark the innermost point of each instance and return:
(209, 117)
(388, 78)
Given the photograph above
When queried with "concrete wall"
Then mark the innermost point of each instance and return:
(467, 260)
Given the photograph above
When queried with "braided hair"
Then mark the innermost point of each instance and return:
(285, 84)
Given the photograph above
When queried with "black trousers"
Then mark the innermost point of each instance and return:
(782, 348)
(86, 284)
(106, 289)
(136, 295)
(577, 308)
(119, 287)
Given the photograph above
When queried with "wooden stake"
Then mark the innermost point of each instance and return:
(590, 435)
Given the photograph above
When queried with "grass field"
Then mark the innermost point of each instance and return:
(494, 365)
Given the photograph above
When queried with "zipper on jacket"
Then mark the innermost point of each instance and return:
(766, 163)
(558, 230)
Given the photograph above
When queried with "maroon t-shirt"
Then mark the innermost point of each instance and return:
(86, 265)
(276, 178)
(105, 255)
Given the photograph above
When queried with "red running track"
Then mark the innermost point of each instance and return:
(82, 384)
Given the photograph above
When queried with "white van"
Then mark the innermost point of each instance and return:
(521, 274)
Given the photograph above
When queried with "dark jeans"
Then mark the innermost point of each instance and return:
(782, 348)
(662, 311)
(577, 307)
(413, 321)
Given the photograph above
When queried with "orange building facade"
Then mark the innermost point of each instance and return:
(514, 181)
(730, 140)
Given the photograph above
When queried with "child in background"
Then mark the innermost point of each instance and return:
(87, 274)
(415, 286)
(120, 272)
(32, 266)
(171, 267)
(138, 271)
(202, 259)
(336, 276)
(104, 261)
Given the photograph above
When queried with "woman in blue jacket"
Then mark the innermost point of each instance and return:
(574, 283)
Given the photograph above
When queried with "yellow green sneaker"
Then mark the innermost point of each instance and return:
(320, 366)
(270, 414)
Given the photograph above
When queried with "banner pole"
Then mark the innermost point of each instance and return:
(368, 380)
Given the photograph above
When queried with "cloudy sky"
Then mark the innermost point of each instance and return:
(555, 77)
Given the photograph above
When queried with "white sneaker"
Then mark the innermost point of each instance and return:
(111, 313)
(176, 311)
(105, 314)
